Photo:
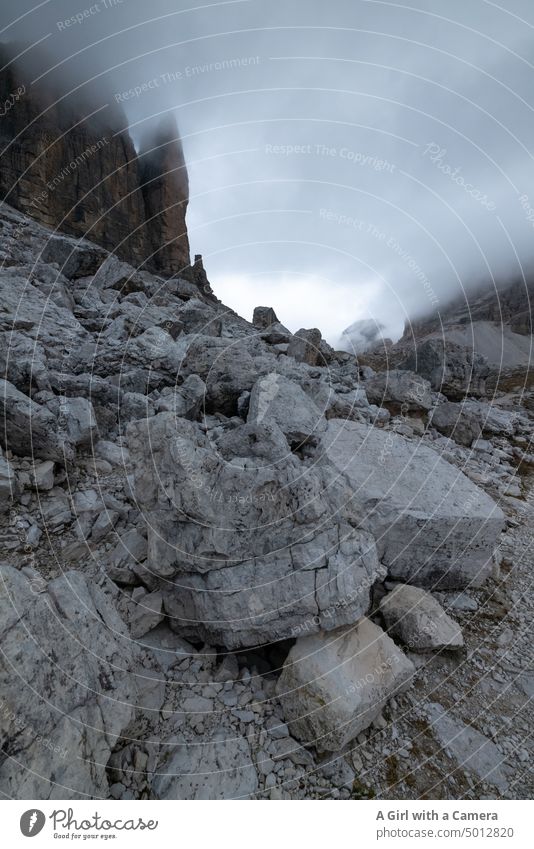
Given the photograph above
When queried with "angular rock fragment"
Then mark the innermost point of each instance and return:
(221, 768)
(305, 346)
(399, 391)
(452, 369)
(433, 526)
(9, 486)
(419, 621)
(147, 614)
(43, 475)
(458, 422)
(264, 317)
(29, 429)
(469, 748)
(334, 685)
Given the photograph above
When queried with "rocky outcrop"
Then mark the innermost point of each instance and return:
(165, 190)
(249, 547)
(65, 643)
(82, 175)
(452, 369)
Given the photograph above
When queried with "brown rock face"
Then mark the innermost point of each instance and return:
(83, 176)
(165, 190)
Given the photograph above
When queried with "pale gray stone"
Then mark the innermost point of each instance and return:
(334, 685)
(70, 647)
(433, 526)
(397, 390)
(419, 621)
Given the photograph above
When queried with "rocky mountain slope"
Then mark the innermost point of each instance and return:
(235, 562)
(239, 564)
(494, 323)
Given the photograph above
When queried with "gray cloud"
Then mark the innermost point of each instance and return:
(350, 160)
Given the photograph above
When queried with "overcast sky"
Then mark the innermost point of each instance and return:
(348, 160)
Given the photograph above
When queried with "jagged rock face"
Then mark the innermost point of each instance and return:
(165, 189)
(83, 176)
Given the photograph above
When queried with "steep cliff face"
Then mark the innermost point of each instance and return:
(165, 190)
(82, 174)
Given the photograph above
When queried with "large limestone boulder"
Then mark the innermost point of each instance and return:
(419, 621)
(334, 685)
(276, 399)
(457, 421)
(433, 526)
(399, 391)
(252, 546)
(67, 687)
(305, 346)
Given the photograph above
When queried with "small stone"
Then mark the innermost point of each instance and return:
(43, 476)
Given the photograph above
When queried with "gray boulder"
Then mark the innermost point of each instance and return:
(68, 691)
(458, 422)
(276, 399)
(251, 548)
(305, 346)
(399, 391)
(29, 429)
(334, 685)
(227, 370)
(186, 400)
(220, 768)
(79, 419)
(42, 475)
(433, 526)
(264, 317)
(419, 621)
(147, 613)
